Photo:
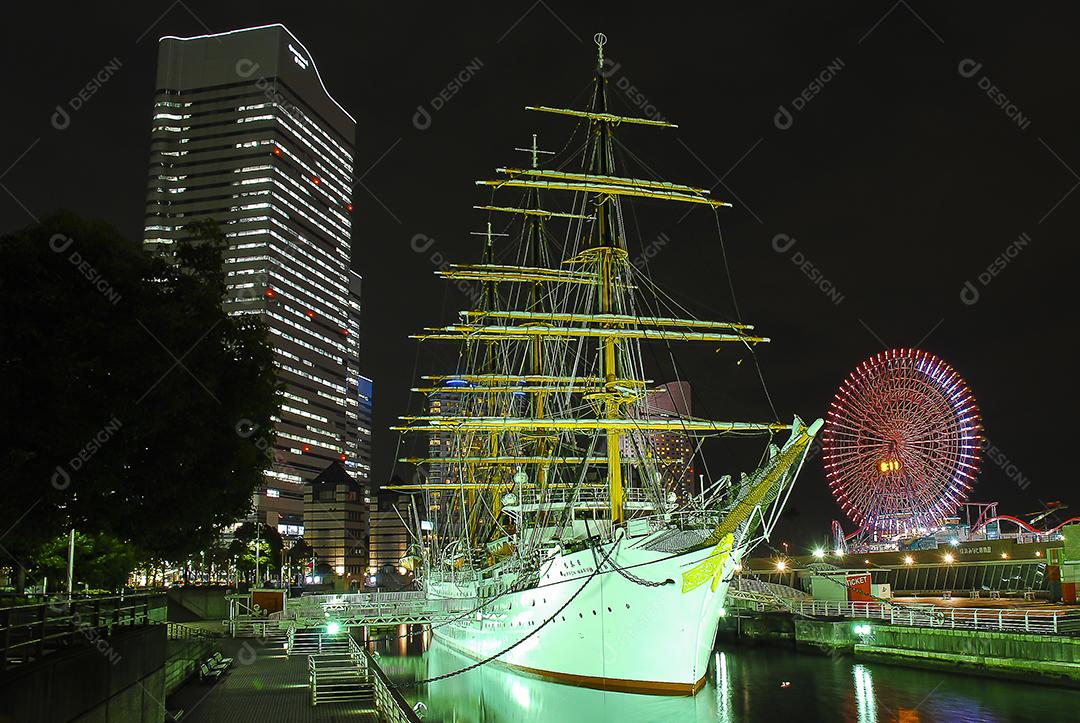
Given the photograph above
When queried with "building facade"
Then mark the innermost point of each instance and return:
(389, 536)
(245, 133)
(336, 522)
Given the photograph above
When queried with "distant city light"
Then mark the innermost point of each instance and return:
(819, 553)
(781, 565)
(862, 629)
(908, 559)
(838, 552)
(333, 628)
(954, 542)
(948, 558)
(1004, 556)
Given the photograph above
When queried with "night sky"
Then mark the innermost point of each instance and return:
(901, 178)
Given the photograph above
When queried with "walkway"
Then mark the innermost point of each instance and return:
(264, 685)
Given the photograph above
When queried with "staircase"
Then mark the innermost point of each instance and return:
(336, 677)
(314, 641)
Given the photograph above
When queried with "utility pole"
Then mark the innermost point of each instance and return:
(258, 544)
(71, 563)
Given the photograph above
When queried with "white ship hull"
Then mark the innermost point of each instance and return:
(614, 634)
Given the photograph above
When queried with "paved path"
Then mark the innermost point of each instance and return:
(264, 686)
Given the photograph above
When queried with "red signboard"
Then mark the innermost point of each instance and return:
(858, 587)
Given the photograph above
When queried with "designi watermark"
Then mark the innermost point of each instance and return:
(969, 292)
(61, 478)
(651, 251)
(785, 118)
(633, 94)
(995, 455)
(246, 67)
(61, 118)
(782, 243)
(420, 243)
(422, 118)
(969, 68)
(60, 243)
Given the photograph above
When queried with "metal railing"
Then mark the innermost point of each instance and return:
(179, 631)
(374, 608)
(1041, 621)
(389, 703)
(31, 631)
(253, 626)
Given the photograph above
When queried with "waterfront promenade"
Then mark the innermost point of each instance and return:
(264, 685)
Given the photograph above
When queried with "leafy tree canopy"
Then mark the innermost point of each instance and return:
(135, 408)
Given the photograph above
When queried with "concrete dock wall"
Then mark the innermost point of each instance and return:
(1053, 658)
(189, 604)
(119, 680)
(1018, 656)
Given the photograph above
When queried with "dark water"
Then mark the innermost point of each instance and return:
(744, 684)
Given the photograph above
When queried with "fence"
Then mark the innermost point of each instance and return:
(1045, 622)
(28, 632)
(392, 707)
(391, 608)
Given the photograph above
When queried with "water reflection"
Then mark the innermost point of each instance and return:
(864, 693)
(723, 689)
(744, 684)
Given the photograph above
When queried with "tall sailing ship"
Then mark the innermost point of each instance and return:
(550, 504)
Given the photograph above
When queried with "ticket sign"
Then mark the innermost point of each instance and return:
(859, 587)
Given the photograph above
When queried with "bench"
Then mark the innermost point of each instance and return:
(214, 667)
(208, 674)
(217, 660)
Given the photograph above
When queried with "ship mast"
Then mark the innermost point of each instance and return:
(551, 353)
(608, 243)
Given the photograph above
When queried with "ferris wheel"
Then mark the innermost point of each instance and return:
(901, 443)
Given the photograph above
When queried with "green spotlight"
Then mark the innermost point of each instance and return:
(333, 628)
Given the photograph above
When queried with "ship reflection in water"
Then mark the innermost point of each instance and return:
(744, 684)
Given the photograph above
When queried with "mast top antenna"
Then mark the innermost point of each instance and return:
(535, 151)
(601, 40)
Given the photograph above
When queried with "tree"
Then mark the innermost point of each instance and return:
(257, 541)
(299, 556)
(101, 561)
(134, 406)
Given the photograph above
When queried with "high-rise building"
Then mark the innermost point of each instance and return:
(245, 133)
(674, 449)
(365, 392)
(446, 403)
